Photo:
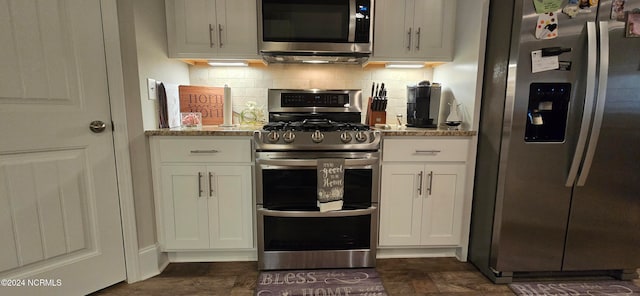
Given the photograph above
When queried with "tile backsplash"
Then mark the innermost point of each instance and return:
(251, 83)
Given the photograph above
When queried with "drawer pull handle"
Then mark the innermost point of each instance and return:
(428, 151)
(204, 151)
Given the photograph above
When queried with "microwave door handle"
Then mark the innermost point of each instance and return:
(592, 56)
(352, 21)
(601, 99)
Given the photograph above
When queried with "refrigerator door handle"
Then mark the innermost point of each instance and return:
(600, 102)
(592, 59)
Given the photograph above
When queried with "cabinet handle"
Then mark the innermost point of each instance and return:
(430, 183)
(428, 151)
(204, 151)
(409, 35)
(220, 35)
(211, 44)
(418, 39)
(210, 184)
(199, 184)
(420, 183)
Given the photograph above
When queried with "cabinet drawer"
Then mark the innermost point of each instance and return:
(204, 150)
(425, 150)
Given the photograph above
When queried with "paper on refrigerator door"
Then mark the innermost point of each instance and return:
(540, 63)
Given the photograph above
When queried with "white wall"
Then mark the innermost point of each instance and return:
(462, 78)
(252, 83)
(144, 47)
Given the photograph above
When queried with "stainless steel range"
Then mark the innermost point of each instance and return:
(306, 126)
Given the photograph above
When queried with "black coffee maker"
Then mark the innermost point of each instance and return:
(423, 104)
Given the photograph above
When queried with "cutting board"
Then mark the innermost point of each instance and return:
(207, 100)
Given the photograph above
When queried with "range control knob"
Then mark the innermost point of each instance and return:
(273, 137)
(361, 136)
(288, 136)
(317, 136)
(346, 137)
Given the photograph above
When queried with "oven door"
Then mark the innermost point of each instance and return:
(293, 233)
(303, 239)
(288, 180)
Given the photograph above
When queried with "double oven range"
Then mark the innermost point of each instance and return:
(305, 126)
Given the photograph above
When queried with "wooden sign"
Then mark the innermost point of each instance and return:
(204, 99)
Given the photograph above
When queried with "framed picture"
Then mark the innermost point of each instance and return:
(633, 24)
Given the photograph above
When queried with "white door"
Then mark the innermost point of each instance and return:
(192, 27)
(184, 201)
(59, 207)
(237, 28)
(442, 212)
(401, 204)
(230, 215)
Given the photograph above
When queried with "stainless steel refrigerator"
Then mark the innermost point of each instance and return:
(557, 187)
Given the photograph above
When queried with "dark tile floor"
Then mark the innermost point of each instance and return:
(400, 277)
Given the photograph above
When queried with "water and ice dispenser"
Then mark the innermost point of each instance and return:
(547, 112)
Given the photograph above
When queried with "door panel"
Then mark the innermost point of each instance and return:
(533, 207)
(46, 209)
(193, 19)
(230, 207)
(58, 190)
(604, 228)
(442, 214)
(239, 34)
(401, 205)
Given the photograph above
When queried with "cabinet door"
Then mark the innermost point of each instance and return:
(190, 25)
(184, 204)
(230, 206)
(442, 207)
(391, 31)
(434, 26)
(401, 204)
(236, 30)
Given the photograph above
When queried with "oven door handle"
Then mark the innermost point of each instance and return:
(304, 214)
(288, 162)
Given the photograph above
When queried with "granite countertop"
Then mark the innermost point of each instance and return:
(426, 132)
(248, 131)
(207, 130)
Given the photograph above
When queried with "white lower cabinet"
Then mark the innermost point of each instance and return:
(204, 193)
(206, 207)
(422, 193)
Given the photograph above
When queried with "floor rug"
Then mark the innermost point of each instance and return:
(321, 282)
(618, 288)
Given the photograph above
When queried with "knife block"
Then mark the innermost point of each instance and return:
(375, 117)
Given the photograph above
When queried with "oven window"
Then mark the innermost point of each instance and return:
(313, 233)
(296, 190)
(305, 21)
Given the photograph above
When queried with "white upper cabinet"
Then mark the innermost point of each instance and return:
(222, 29)
(414, 30)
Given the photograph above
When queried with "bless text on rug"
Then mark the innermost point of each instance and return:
(321, 282)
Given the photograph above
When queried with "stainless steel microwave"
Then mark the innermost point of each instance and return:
(320, 28)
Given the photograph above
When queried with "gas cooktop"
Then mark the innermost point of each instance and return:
(323, 125)
(301, 120)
